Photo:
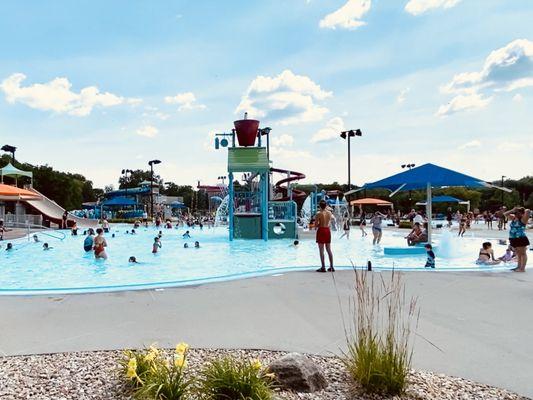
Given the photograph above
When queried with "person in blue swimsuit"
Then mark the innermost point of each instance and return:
(89, 241)
(517, 235)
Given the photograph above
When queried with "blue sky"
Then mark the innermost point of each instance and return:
(97, 86)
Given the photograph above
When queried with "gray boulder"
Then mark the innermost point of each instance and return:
(298, 373)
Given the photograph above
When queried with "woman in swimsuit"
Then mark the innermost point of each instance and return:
(323, 235)
(346, 227)
(486, 255)
(100, 244)
(517, 235)
(377, 231)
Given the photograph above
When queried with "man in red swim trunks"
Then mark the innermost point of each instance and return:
(323, 235)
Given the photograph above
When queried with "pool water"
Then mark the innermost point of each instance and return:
(68, 268)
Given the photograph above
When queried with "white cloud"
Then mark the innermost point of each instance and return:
(330, 132)
(470, 145)
(402, 96)
(147, 131)
(186, 101)
(348, 16)
(287, 98)
(509, 146)
(283, 140)
(417, 7)
(462, 103)
(505, 69)
(58, 97)
(518, 98)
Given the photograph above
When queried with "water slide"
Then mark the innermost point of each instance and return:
(298, 196)
(54, 212)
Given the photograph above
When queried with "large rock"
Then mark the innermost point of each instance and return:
(299, 373)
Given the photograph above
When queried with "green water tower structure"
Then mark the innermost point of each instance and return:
(250, 213)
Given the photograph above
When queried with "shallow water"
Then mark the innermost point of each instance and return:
(66, 267)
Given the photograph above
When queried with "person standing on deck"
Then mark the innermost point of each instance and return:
(323, 235)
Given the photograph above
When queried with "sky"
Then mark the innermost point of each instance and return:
(94, 87)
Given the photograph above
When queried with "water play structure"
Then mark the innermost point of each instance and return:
(256, 209)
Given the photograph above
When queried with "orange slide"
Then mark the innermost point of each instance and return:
(298, 196)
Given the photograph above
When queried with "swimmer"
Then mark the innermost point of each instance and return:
(133, 232)
(36, 239)
(100, 244)
(46, 247)
(486, 255)
(196, 245)
(295, 244)
(9, 247)
(186, 235)
(133, 260)
(112, 235)
(89, 241)
(185, 246)
(157, 245)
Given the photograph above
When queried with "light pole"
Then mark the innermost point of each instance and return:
(409, 167)
(151, 164)
(10, 149)
(347, 135)
(503, 177)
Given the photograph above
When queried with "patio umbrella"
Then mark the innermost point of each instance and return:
(8, 192)
(369, 201)
(428, 176)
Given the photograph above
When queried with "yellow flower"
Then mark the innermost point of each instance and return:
(149, 357)
(181, 348)
(154, 350)
(256, 364)
(180, 361)
(132, 368)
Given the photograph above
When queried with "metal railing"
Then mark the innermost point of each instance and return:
(21, 220)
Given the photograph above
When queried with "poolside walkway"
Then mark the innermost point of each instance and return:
(481, 322)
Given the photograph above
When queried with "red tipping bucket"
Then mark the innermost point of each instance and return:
(246, 131)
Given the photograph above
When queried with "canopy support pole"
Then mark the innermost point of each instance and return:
(428, 210)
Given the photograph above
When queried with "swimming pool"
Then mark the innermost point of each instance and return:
(66, 268)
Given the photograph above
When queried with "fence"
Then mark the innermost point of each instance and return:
(21, 220)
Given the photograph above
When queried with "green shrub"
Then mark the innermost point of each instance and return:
(232, 379)
(380, 350)
(153, 375)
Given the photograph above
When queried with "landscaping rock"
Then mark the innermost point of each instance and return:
(299, 373)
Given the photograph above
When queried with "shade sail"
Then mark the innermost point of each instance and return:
(119, 201)
(14, 172)
(8, 192)
(419, 177)
(370, 202)
(177, 204)
(445, 199)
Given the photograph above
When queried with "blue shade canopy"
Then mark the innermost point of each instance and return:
(419, 177)
(445, 199)
(119, 201)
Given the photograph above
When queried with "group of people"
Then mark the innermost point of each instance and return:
(516, 251)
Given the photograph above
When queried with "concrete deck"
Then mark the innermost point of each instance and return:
(481, 322)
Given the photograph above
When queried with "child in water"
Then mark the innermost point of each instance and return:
(186, 235)
(46, 247)
(509, 255)
(196, 245)
(486, 255)
(133, 260)
(430, 262)
(157, 245)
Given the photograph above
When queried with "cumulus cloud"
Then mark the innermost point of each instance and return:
(505, 69)
(348, 16)
(58, 97)
(517, 98)
(287, 98)
(417, 7)
(402, 96)
(147, 131)
(283, 140)
(470, 145)
(330, 132)
(186, 101)
(462, 103)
